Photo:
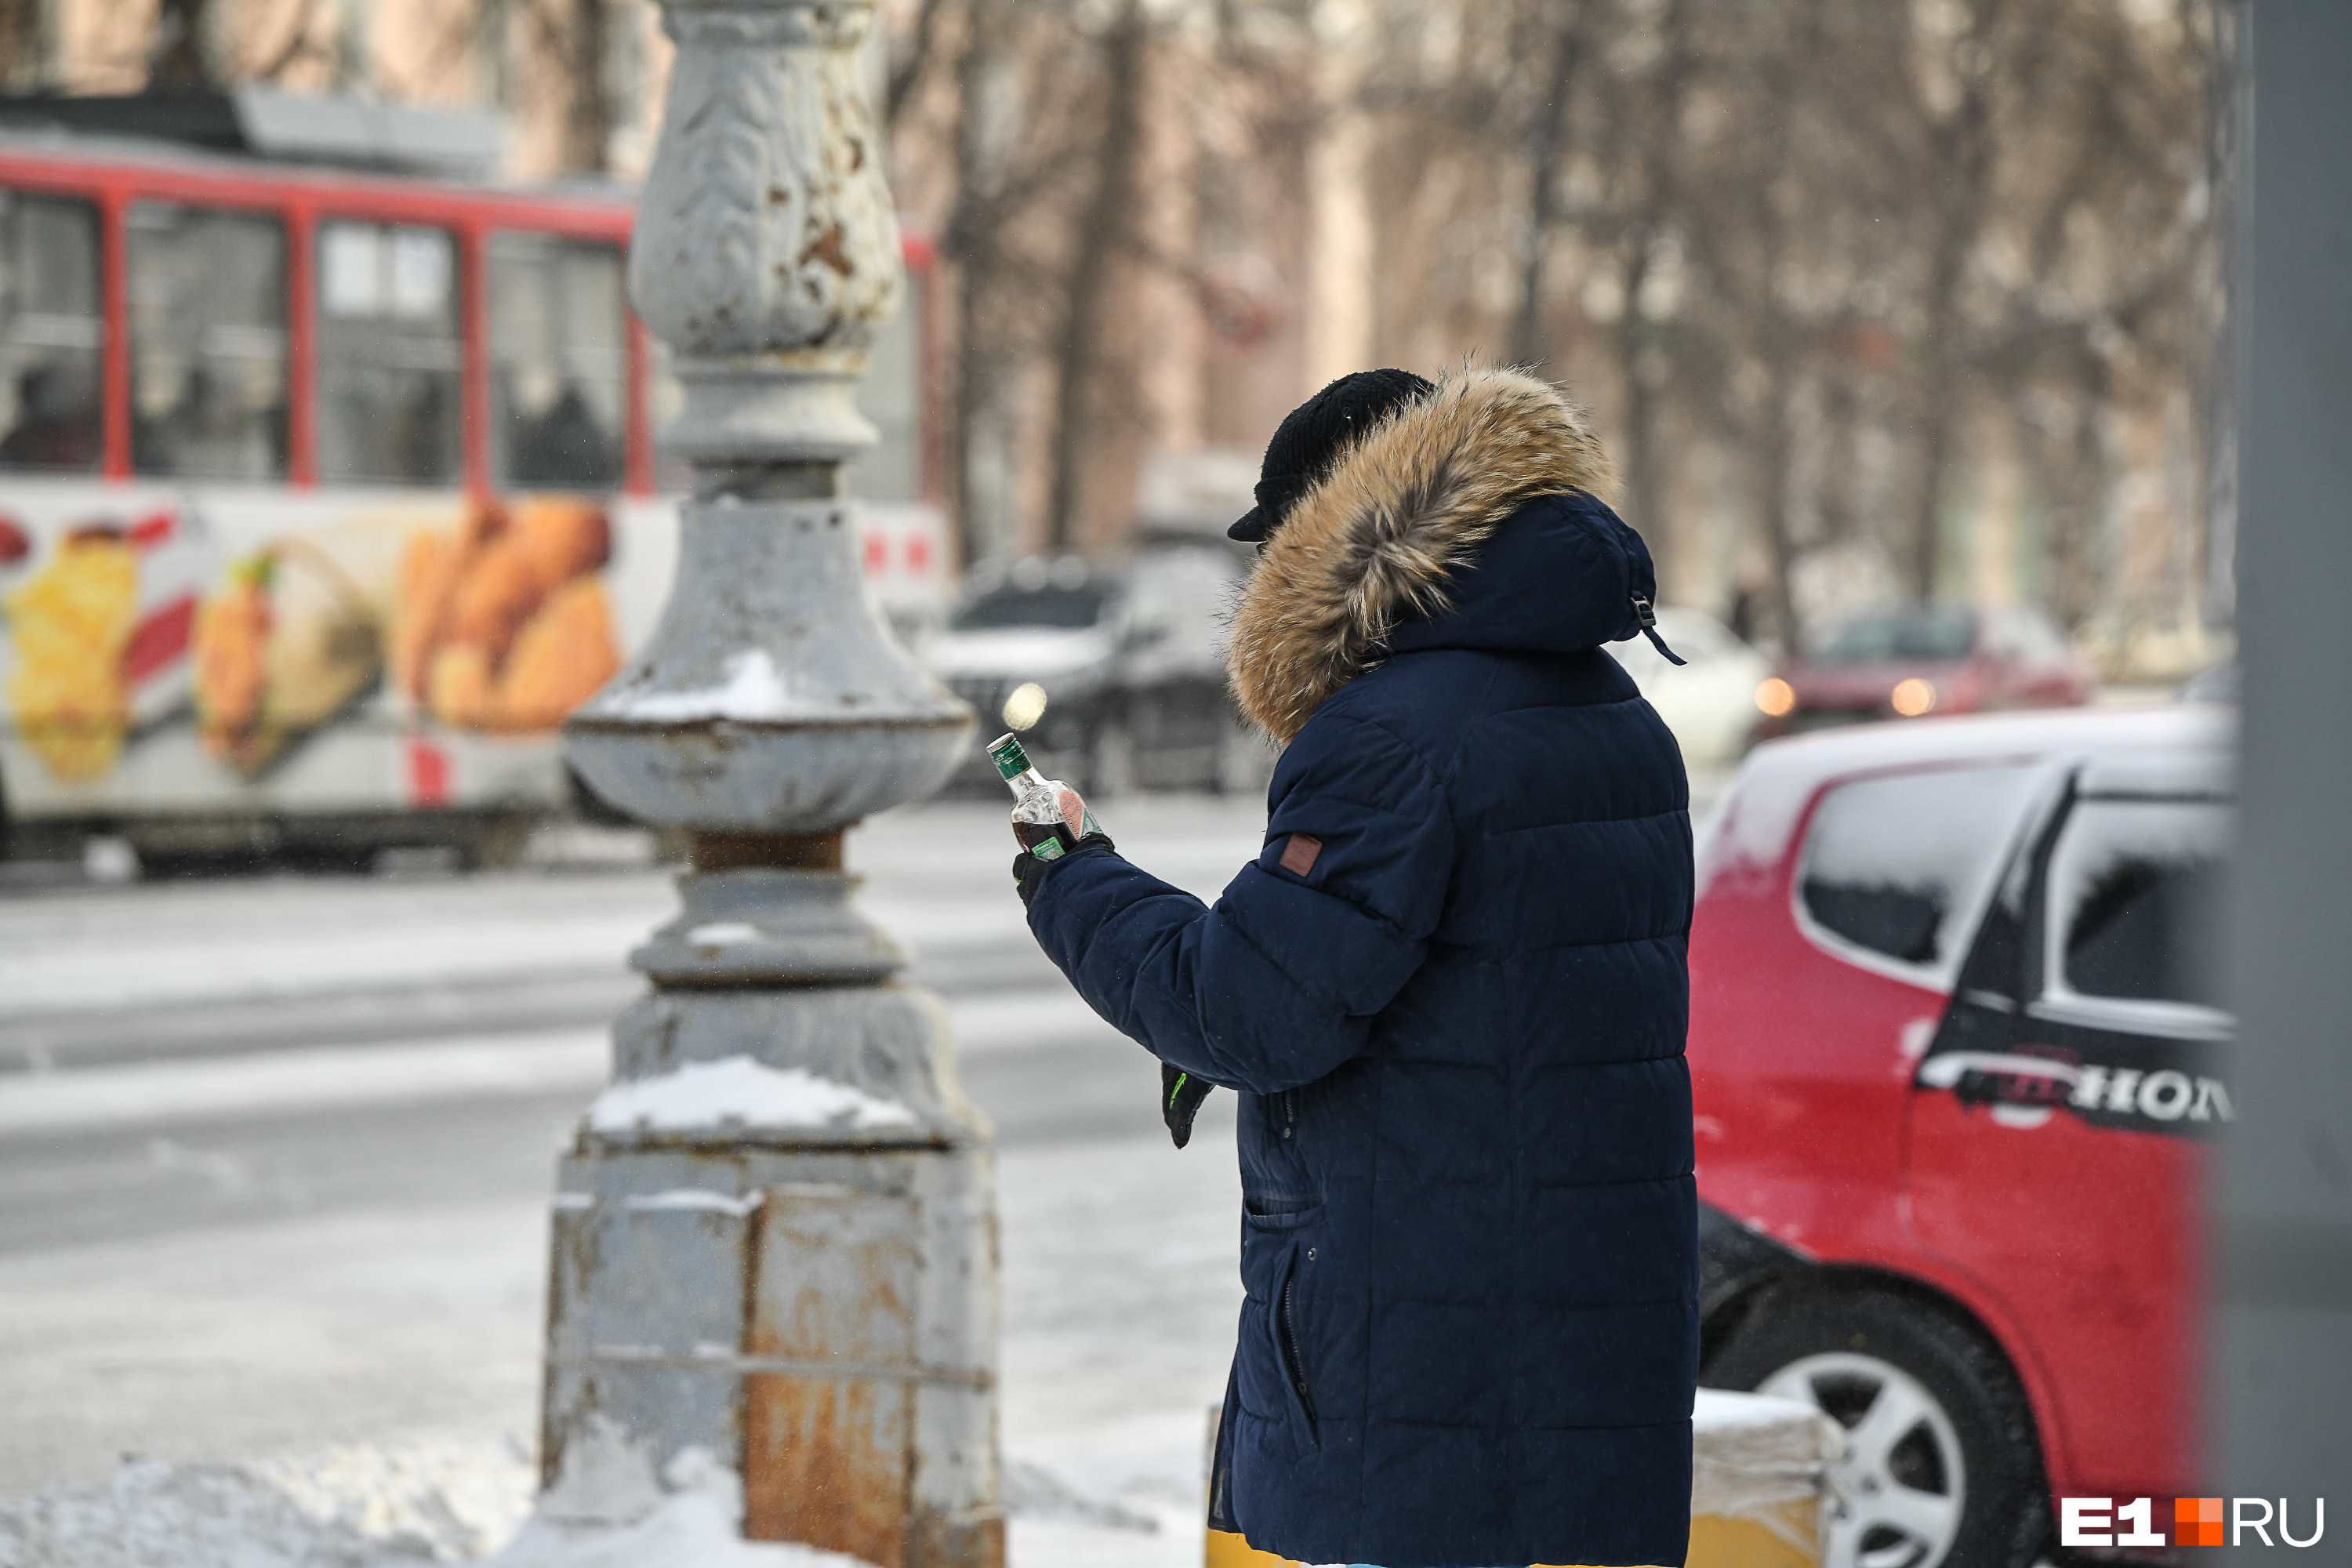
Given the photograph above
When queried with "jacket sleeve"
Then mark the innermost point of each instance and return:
(1274, 984)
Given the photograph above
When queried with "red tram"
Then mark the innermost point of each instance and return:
(324, 496)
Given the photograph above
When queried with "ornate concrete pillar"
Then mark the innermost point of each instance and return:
(775, 1248)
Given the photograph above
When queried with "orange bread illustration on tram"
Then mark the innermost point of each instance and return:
(504, 623)
(69, 625)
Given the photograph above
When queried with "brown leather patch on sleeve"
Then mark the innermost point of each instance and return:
(1298, 855)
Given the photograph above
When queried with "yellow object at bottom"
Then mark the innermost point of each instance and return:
(1715, 1542)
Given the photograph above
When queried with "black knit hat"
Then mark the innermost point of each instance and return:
(1310, 438)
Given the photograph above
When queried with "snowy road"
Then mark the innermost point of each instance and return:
(274, 1155)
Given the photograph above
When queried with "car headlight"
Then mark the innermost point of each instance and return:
(1025, 706)
(1776, 698)
(1913, 696)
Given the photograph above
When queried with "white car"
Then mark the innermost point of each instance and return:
(1710, 703)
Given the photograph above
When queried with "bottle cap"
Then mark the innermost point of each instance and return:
(1006, 752)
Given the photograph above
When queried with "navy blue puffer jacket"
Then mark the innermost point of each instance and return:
(1452, 993)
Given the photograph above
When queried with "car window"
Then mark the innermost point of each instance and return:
(1182, 597)
(2131, 888)
(1895, 869)
(1929, 636)
(1063, 608)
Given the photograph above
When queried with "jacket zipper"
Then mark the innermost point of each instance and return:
(1289, 1111)
(1292, 1364)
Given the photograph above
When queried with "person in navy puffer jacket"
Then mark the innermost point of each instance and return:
(1451, 991)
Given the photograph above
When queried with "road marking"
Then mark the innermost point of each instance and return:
(323, 1078)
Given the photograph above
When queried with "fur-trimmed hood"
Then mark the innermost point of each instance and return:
(1402, 546)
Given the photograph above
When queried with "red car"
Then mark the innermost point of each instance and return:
(1909, 662)
(1953, 1044)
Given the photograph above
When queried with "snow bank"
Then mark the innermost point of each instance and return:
(696, 1526)
(741, 1089)
(369, 1508)
(606, 1510)
(189, 1515)
(357, 1506)
(461, 1499)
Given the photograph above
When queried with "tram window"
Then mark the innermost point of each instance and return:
(558, 363)
(208, 343)
(388, 354)
(51, 328)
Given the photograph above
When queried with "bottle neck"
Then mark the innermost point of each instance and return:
(1026, 780)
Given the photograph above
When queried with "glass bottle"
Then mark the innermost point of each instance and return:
(1048, 816)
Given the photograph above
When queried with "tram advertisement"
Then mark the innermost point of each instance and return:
(202, 648)
(233, 649)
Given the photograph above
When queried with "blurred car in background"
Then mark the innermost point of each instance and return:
(1116, 673)
(1956, 1055)
(1708, 701)
(1908, 661)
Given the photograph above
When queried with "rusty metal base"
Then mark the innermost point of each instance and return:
(814, 1304)
(828, 1317)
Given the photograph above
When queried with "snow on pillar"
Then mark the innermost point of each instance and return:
(774, 1252)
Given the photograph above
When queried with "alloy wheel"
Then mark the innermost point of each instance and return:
(1897, 1492)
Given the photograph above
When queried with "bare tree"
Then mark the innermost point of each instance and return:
(1829, 239)
(1957, 186)
(571, 42)
(1547, 144)
(1104, 237)
(909, 62)
(1652, 111)
(180, 53)
(985, 388)
(20, 41)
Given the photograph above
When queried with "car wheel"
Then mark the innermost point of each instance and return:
(1942, 1464)
(1112, 771)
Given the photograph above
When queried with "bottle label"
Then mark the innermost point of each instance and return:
(1046, 849)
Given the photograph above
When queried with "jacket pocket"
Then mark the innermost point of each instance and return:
(1276, 1212)
(1288, 1353)
(1272, 1368)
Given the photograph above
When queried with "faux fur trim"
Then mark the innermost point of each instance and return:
(1413, 498)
